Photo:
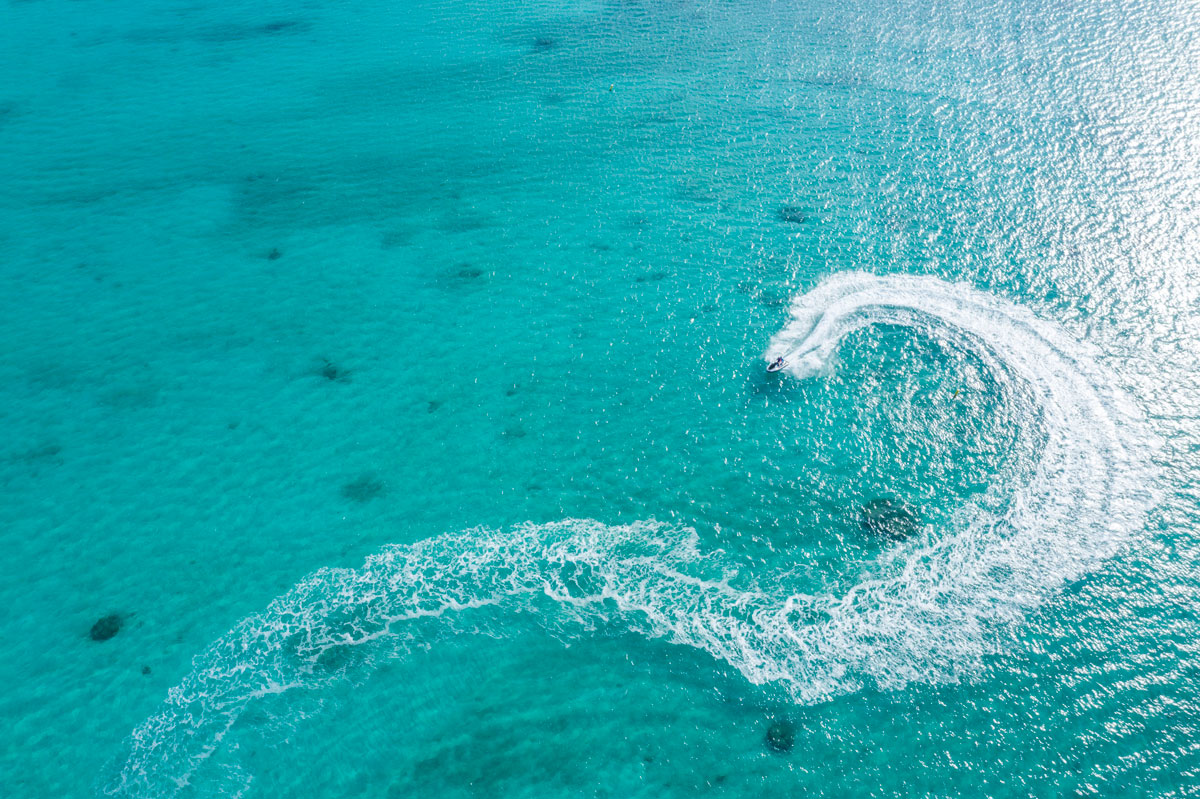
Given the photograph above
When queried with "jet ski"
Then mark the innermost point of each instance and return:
(776, 365)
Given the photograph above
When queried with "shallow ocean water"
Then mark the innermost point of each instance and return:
(290, 286)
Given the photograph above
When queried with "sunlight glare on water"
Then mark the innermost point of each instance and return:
(386, 411)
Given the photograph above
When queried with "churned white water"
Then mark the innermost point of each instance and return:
(926, 610)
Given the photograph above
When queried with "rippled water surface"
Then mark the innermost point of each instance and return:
(386, 415)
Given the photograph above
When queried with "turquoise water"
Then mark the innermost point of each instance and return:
(394, 374)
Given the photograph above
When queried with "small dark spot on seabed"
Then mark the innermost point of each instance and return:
(543, 44)
(274, 254)
(433, 406)
(363, 489)
(794, 214)
(332, 372)
(781, 737)
(106, 627)
(653, 277)
(145, 671)
(282, 25)
(888, 518)
(513, 432)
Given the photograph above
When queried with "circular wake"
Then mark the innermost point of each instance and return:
(928, 612)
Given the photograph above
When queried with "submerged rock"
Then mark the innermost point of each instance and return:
(781, 736)
(363, 489)
(106, 627)
(333, 372)
(888, 518)
(794, 214)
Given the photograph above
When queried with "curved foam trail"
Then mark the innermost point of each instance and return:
(566, 572)
(1091, 486)
(928, 612)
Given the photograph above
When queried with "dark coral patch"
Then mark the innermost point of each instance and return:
(888, 518)
(363, 489)
(106, 627)
(332, 372)
(780, 737)
(284, 25)
(794, 214)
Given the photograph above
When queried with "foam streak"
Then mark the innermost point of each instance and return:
(929, 613)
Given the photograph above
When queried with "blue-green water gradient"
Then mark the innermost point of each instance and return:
(287, 286)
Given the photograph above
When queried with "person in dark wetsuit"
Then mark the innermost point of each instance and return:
(776, 365)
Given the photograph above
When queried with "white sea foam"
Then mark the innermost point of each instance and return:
(929, 612)
(937, 609)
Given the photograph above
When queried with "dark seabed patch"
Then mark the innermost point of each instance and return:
(780, 736)
(770, 295)
(794, 214)
(331, 371)
(130, 397)
(48, 451)
(363, 488)
(221, 33)
(397, 237)
(888, 518)
(106, 627)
